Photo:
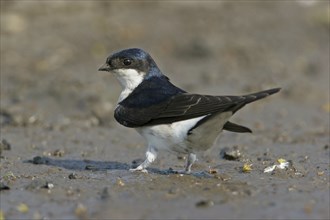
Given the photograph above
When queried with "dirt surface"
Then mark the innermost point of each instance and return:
(63, 156)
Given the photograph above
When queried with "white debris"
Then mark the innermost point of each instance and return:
(282, 164)
(269, 169)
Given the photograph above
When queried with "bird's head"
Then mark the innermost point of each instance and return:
(131, 67)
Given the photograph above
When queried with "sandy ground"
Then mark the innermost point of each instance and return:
(64, 157)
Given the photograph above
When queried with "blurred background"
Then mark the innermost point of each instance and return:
(51, 50)
(63, 155)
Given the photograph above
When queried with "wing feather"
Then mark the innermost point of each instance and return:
(182, 106)
(179, 107)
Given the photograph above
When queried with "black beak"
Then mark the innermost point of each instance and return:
(105, 67)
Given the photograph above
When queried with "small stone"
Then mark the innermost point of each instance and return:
(204, 203)
(5, 118)
(213, 171)
(32, 119)
(91, 167)
(40, 160)
(4, 145)
(120, 182)
(73, 176)
(181, 157)
(230, 154)
(320, 173)
(49, 186)
(58, 153)
(4, 187)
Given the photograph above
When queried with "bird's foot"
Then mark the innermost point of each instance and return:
(139, 169)
(151, 155)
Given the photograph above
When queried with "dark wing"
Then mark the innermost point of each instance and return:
(182, 106)
(187, 106)
(178, 107)
(230, 126)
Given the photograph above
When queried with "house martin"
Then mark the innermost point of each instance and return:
(168, 117)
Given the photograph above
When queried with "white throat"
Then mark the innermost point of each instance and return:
(129, 80)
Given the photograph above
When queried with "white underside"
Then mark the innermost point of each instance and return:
(174, 137)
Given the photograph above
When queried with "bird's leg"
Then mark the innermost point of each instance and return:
(190, 160)
(151, 155)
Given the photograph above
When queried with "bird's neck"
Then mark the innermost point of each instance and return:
(129, 79)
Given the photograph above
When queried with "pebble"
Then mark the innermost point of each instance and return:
(204, 203)
(5, 118)
(73, 176)
(230, 154)
(4, 145)
(91, 167)
(58, 153)
(213, 171)
(4, 187)
(40, 160)
(120, 182)
(49, 186)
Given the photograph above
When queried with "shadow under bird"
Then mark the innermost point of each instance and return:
(168, 117)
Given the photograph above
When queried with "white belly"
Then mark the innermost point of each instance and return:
(174, 137)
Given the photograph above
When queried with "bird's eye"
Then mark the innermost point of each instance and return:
(127, 62)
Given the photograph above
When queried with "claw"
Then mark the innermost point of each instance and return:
(140, 169)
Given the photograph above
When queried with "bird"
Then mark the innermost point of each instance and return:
(168, 117)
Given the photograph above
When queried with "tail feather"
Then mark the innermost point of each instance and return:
(254, 97)
(229, 126)
(260, 95)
